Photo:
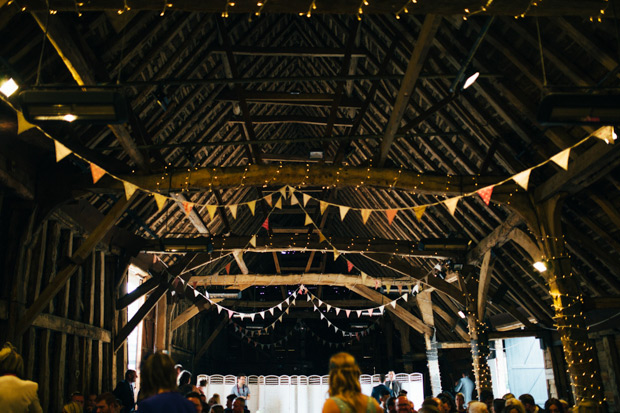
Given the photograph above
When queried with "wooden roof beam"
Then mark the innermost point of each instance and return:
(290, 51)
(418, 58)
(307, 120)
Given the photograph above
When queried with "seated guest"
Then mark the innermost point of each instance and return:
(185, 385)
(499, 404)
(344, 387)
(459, 400)
(390, 405)
(514, 406)
(403, 405)
(229, 402)
(159, 385)
(446, 402)
(107, 403)
(430, 404)
(124, 391)
(194, 397)
(241, 389)
(77, 397)
(477, 407)
(553, 406)
(379, 388)
(16, 395)
(91, 404)
(486, 397)
(218, 408)
(215, 399)
(72, 407)
(528, 403)
(238, 405)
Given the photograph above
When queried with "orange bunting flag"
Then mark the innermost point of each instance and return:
(485, 193)
(253, 241)
(451, 204)
(336, 254)
(343, 211)
(308, 220)
(96, 172)
(322, 237)
(188, 206)
(252, 206)
(561, 159)
(294, 200)
(391, 213)
(61, 151)
(22, 124)
(523, 178)
(283, 192)
(233, 210)
(306, 199)
(211, 209)
(160, 200)
(269, 200)
(129, 189)
(279, 203)
(606, 134)
(266, 224)
(349, 266)
(228, 268)
(419, 211)
(365, 215)
(323, 206)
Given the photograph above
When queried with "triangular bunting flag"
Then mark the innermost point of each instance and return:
(294, 200)
(188, 206)
(262, 314)
(211, 210)
(485, 193)
(160, 200)
(400, 289)
(266, 224)
(322, 237)
(390, 213)
(349, 266)
(364, 275)
(291, 191)
(269, 200)
(252, 316)
(451, 204)
(323, 206)
(22, 124)
(283, 192)
(233, 210)
(523, 178)
(405, 296)
(337, 310)
(280, 306)
(308, 220)
(336, 254)
(252, 206)
(219, 308)
(320, 303)
(343, 211)
(365, 215)
(377, 284)
(321, 316)
(306, 199)
(230, 314)
(271, 310)
(359, 313)
(129, 189)
(335, 329)
(96, 172)
(279, 203)
(419, 211)
(315, 308)
(287, 310)
(253, 241)
(606, 133)
(381, 309)
(228, 268)
(393, 303)
(288, 300)
(347, 312)
(329, 307)
(388, 287)
(61, 151)
(561, 159)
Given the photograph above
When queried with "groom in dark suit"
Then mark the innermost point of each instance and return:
(391, 383)
(124, 391)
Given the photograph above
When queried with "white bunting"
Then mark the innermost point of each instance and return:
(262, 314)
(451, 204)
(561, 159)
(252, 316)
(347, 312)
(280, 306)
(381, 309)
(343, 211)
(320, 303)
(523, 178)
(271, 310)
(308, 297)
(219, 308)
(329, 307)
(405, 296)
(288, 300)
(359, 313)
(61, 151)
(306, 199)
(337, 310)
(393, 304)
(253, 241)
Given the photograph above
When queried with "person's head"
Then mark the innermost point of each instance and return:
(382, 378)
(344, 375)
(446, 402)
(528, 402)
(390, 405)
(486, 397)
(158, 374)
(107, 403)
(498, 405)
(403, 405)
(553, 406)
(77, 397)
(384, 395)
(477, 407)
(185, 377)
(72, 407)
(391, 376)
(178, 368)
(131, 376)
(10, 361)
(514, 406)
(91, 401)
(217, 408)
(238, 405)
(229, 400)
(202, 383)
(215, 399)
(459, 399)
(431, 404)
(194, 397)
(241, 380)
(402, 392)
(508, 396)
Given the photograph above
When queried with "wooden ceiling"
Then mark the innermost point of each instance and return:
(226, 111)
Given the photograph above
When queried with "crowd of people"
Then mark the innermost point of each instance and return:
(166, 387)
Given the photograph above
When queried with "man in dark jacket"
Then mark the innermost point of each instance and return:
(124, 391)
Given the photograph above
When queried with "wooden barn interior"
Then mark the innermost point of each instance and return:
(258, 166)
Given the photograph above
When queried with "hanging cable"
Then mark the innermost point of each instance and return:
(47, 19)
(542, 60)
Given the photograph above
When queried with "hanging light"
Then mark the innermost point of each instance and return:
(471, 80)
(8, 86)
(540, 266)
(461, 314)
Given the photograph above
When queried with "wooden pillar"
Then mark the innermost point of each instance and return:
(568, 305)
(424, 300)
(478, 332)
(161, 324)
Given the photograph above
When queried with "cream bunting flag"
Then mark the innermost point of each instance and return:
(160, 200)
(22, 124)
(606, 134)
(359, 313)
(419, 212)
(252, 206)
(283, 192)
(561, 159)
(393, 304)
(294, 200)
(336, 254)
(323, 205)
(233, 210)
(279, 203)
(405, 296)
(269, 200)
(337, 310)
(211, 209)
(61, 151)
(306, 199)
(485, 193)
(253, 241)
(308, 220)
(129, 189)
(291, 191)
(271, 310)
(347, 312)
(364, 275)
(343, 211)
(451, 204)
(390, 213)
(523, 178)
(365, 215)
(96, 172)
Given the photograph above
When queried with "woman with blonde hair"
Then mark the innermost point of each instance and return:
(72, 407)
(344, 388)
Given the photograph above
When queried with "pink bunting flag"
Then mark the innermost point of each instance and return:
(377, 284)
(348, 312)
(359, 313)
(349, 266)
(391, 213)
(266, 224)
(219, 308)
(228, 268)
(230, 314)
(485, 193)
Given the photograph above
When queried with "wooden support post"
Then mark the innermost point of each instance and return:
(425, 304)
(480, 353)
(161, 324)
